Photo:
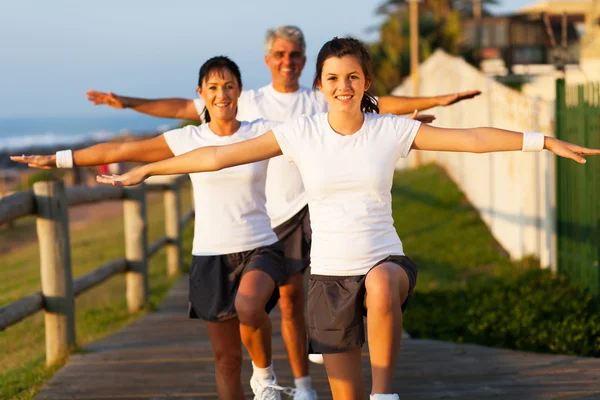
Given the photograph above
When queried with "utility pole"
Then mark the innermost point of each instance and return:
(414, 59)
(414, 45)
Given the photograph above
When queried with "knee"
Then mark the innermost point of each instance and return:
(383, 290)
(250, 310)
(228, 363)
(291, 300)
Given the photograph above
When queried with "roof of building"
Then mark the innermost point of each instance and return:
(559, 7)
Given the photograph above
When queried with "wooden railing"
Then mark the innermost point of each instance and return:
(49, 201)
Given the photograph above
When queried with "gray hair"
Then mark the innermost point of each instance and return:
(287, 32)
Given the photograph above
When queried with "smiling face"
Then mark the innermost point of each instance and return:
(285, 61)
(220, 91)
(343, 83)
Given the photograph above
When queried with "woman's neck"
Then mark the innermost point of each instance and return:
(224, 128)
(345, 123)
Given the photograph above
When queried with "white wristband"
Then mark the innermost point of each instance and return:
(533, 141)
(64, 159)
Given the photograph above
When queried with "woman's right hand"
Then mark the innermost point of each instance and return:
(133, 177)
(43, 162)
(108, 99)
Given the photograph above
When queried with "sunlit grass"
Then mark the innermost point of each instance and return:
(99, 311)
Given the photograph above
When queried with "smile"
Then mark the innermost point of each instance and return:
(346, 97)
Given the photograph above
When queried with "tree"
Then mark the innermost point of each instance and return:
(439, 27)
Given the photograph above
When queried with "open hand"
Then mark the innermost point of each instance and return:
(43, 162)
(109, 99)
(569, 150)
(133, 177)
(456, 97)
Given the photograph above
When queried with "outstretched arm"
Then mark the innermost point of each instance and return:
(399, 105)
(487, 140)
(204, 159)
(165, 108)
(149, 150)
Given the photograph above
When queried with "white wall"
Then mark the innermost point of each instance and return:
(514, 192)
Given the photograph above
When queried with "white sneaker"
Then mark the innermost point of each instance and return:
(265, 391)
(305, 394)
(393, 396)
(316, 358)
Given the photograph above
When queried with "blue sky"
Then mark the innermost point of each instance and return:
(53, 51)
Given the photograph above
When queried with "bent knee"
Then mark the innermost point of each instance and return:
(386, 286)
(250, 310)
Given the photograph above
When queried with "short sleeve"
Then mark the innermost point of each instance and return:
(405, 130)
(178, 140)
(199, 104)
(265, 125)
(321, 101)
(288, 134)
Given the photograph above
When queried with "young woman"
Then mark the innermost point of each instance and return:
(346, 158)
(237, 261)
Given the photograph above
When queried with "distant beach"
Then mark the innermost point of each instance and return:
(44, 135)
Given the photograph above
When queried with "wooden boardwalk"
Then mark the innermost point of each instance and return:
(166, 356)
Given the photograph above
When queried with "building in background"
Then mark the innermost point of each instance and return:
(526, 48)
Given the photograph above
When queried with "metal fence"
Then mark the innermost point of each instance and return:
(578, 187)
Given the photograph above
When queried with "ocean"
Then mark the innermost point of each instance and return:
(26, 132)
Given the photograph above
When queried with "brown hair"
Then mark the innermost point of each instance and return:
(340, 47)
(218, 65)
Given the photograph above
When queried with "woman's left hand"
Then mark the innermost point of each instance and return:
(133, 177)
(569, 150)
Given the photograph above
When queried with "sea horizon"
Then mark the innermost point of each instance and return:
(20, 132)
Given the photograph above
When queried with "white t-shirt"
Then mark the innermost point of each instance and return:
(348, 180)
(230, 204)
(285, 191)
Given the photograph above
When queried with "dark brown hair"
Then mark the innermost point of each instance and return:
(340, 47)
(218, 65)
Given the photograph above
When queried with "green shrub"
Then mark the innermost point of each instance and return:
(532, 311)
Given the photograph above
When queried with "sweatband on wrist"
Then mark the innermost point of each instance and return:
(64, 159)
(533, 141)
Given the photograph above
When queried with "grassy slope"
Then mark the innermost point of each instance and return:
(441, 231)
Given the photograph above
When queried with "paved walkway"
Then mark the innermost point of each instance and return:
(166, 356)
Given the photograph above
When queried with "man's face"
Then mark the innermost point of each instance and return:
(285, 60)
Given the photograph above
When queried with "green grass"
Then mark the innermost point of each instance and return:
(442, 232)
(99, 311)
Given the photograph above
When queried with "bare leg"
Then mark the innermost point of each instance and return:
(387, 287)
(293, 329)
(255, 290)
(227, 349)
(345, 376)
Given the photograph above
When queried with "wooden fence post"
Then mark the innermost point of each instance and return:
(172, 200)
(136, 247)
(55, 267)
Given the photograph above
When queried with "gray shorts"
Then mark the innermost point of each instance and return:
(336, 307)
(214, 280)
(296, 236)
